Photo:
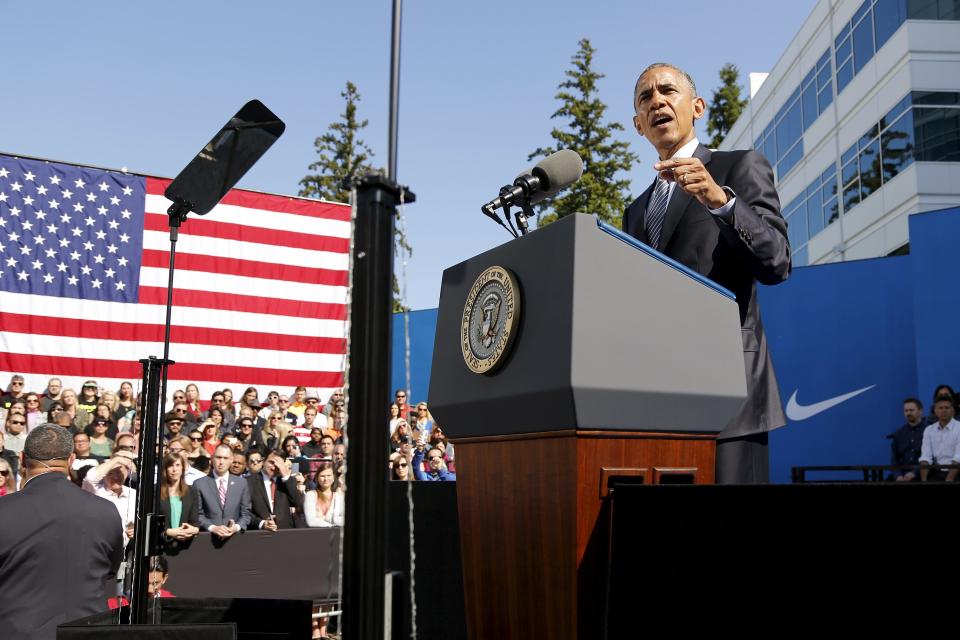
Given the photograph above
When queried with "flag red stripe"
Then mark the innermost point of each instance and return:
(246, 268)
(129, 331)
(283, 204)
(64, 366)
(245, 233)
(248, 304)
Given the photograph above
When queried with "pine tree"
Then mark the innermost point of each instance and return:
(726, 105)
(344, 157)
(599, 191)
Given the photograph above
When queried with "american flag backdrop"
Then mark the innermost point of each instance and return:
(260, 289)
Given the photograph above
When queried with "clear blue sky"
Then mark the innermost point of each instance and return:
(125, 84)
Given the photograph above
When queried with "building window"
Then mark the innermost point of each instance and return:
(811, 211)
(933, 9)
(936, 126)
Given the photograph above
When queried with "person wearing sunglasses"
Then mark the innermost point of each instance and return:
(16, 427)
(436, 470)
(399, 468)
(12, 458)
(14, 390)
(8, 479)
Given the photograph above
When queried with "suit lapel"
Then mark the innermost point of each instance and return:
(679, 201)
(638, 223)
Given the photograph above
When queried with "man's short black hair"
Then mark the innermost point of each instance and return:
(914, 401)
(48, 442)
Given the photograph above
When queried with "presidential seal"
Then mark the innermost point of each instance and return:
(490, 319)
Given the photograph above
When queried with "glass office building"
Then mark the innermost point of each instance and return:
(860, 119)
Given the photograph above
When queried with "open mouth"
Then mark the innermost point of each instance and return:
(662, 120)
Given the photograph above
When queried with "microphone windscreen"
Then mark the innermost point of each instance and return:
(560, 169)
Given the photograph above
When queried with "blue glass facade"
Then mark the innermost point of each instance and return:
(924, 125)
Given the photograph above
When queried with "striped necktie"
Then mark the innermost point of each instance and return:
(656, 211)
(223, 491)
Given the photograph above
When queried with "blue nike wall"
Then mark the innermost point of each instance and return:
(884, 328)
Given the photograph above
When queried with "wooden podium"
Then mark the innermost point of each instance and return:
(622, 368)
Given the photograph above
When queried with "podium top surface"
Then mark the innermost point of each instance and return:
(667, 260)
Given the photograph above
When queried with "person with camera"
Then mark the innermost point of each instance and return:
(436, 469)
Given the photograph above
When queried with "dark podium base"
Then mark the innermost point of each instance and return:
(534, 522)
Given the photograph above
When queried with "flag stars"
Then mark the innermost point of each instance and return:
(112, 248)
(29, 176)
(101, 234)
(11, 262)
(65, 218)
(51, 253)
(88, 246)
(78, 207)
(41, 215)
(124, 237)
(27, 200)
(89, 221)
(3, 197)
(48, 278)
(75, 256)
(122, 262)
(103, 186)
(102, 210)
(42, 190)
(27, 225)
(16, 186)
(95, 283)
(62, 267)
(77, 232)
(55, 180)
(72, 280)
(24, 250)
(4, 173)
(109, 273)
(64, 243)
(91, 197)
(37, 265)
(53, 204)
(3, 222)
(126, 214)
(23, 275)
(79, 183)
(127, 191)
(98, 259)
(85, 270)
(113, 224)
(120, 285)
(13, 236)
(114, 200)
(51, 228)
(14, 211)
(38, 240)
(67, 194)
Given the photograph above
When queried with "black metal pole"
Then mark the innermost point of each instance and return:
(394, 90)
(364, 546)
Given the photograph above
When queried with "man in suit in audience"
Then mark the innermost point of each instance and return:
(58, 543)
(224, 498)
(272, 495)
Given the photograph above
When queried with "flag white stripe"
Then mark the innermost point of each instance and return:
(54, 307)
(260, 218)
(92, 348)
(244, 285)
(223, 248)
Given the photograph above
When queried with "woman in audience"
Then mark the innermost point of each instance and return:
(323, 507)
(400, 468)
(196, 448)
(439, 439)
(78, 417)
(126, 403)
(402, 431)
(424, 418)
(100, 444)
(211, 436)
(8, 483)
(34, 415)
(298, 464)
(275, 431)
(228, 402)
(55, 410)
(215, 415)
(193, 399)
(394, 416)
(178, 503)
(251, 398)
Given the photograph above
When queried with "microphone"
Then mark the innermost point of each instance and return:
(551, 175)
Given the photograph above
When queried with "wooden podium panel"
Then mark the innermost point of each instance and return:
(534, 527)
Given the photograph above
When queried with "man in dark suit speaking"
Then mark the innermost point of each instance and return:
(58, 543)
(718, 213)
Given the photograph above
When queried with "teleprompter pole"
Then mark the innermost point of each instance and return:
(364, 542)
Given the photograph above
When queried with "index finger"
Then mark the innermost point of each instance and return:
(675, 162)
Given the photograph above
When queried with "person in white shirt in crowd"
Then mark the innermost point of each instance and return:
(107, 481)
(324, 506)
(941, 444)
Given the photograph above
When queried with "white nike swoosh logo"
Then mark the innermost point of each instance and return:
(797, 411)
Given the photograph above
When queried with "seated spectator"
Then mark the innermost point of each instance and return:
(195, 449)
(238, 466)
(16, 431)
(275, 431)
(157, 577)
(339, 453)
(178, 503)
(34, 415)
(905, 442)
(250, 398)
(126, 404)
(173, 423)
(394, 417)
(941, 443)
(247, 433)
(424, 421)
(14, 391)
(273, 404)
(402, 434)
(10, 456)
(107, 481)
(228, 406)
(190, 473)
(298, 403)
(289, 417)
(182, 411)
(311, 448)
(337, 423)
(438, 438)
(8, 478)
(435, 469)
(84, 460)
(218, 414)
(103, 411)
(273, 495)
(399, 468)
(100, 444)
(254, 464)
(78, 417)
(52, 393)
(89, 398)
(335, 399)
(224, 498)
(192, 395)
(324, 506)
(211, 436)
(299, 463)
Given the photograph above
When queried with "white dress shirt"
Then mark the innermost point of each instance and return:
(941, 444)
(686, 151)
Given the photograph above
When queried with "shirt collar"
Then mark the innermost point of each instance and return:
(686, 151)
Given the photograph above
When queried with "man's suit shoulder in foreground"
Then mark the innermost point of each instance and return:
(751, 247)
(60, 541)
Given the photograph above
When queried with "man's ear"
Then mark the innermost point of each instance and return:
(636, 125)
(699, 108)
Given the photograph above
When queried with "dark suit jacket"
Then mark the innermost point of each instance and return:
(287, 496)
(58, 544)
(751, 248)
(189, 509)
(236, 508)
